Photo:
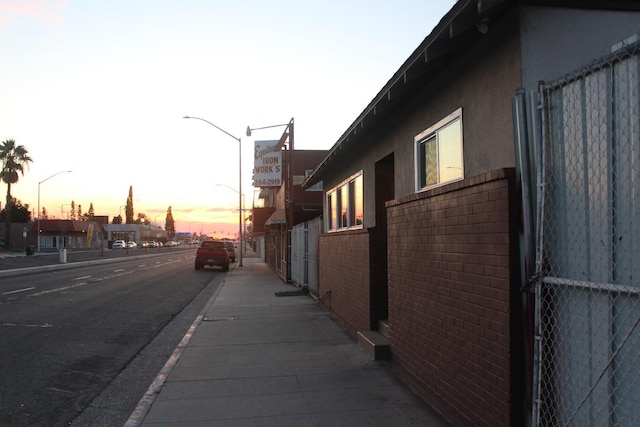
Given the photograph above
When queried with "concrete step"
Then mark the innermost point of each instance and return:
(383, 327)
(374, 344)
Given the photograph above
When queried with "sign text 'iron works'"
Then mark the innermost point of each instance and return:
(267, 164)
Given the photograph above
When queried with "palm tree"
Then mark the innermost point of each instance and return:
(14, 159)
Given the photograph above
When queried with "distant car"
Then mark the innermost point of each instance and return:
(119, 244)
(159, 244)
(171, 243)
(231, 250)
(152, 244)
(144, 245)
(131, 245)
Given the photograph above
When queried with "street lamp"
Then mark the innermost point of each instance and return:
(286, 135)
(239, 175)
(46, 179)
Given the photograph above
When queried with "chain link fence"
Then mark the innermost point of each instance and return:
(587, 296)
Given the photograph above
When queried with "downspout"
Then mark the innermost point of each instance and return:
(524, 123)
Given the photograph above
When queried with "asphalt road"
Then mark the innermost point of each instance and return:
(12, 260)
(81, 346)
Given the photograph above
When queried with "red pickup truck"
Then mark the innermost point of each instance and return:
(213, 253)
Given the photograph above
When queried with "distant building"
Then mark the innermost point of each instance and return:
(135, 232)
(66, 234)
(285, 206)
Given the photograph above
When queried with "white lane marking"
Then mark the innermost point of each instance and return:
(83, 277)
(46, 325)
(64, 288)
(18, 291)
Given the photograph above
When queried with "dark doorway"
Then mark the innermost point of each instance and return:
(384, 191)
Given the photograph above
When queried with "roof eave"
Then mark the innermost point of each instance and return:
(463, 16)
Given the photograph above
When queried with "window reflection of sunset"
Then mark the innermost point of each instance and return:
(344, 204)
(358, 200)
(438, 151)
(345, 208)
(450, 152)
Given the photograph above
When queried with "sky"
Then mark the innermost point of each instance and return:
(100, 88)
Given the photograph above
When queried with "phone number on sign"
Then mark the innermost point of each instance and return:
(267, 183)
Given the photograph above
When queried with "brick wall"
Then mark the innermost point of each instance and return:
(343, 278)
(453, 292)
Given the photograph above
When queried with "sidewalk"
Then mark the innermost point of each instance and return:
(257, 359)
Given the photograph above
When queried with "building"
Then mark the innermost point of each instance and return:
(423, 206)
(135, 232)
(56, 234)
(280, 209)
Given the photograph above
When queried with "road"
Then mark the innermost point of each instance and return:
(84, 344)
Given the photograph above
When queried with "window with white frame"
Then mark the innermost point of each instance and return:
(438, 153)
(345, 204)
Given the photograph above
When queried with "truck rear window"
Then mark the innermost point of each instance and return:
(212, 245)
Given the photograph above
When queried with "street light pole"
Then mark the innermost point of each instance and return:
(239, 176)
(243, 209)
(38, 231)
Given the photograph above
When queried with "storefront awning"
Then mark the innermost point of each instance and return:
(278, 217)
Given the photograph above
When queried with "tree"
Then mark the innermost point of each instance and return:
(128, 210)
(170, 225)
(117, 220)
(19, 212)
(91, 212)
(72, 215)
(79, 216)
(45, 215)
(14, 159)
(142, 219)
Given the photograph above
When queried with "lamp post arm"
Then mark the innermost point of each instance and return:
(239, 176)
(55, 174)
(207, 121)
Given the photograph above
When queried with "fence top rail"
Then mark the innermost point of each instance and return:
(605, 287)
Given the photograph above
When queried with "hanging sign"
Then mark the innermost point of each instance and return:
(267, 164)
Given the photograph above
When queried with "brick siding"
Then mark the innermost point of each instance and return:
(452, 267)
(343, 278)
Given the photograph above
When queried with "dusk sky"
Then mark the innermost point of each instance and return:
(101, 87)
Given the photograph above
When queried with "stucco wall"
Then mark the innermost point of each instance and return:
(482, 82)
(556, 41)
(453, 293)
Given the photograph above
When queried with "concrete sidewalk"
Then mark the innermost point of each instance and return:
(257, 359)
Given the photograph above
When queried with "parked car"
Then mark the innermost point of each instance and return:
(143, 245)
(131, 245)
(231, 250)
(213, 253)
(119, 244)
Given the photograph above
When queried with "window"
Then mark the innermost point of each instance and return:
(331, 213)
(344, 205)
(438, 153)
(315, 187)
